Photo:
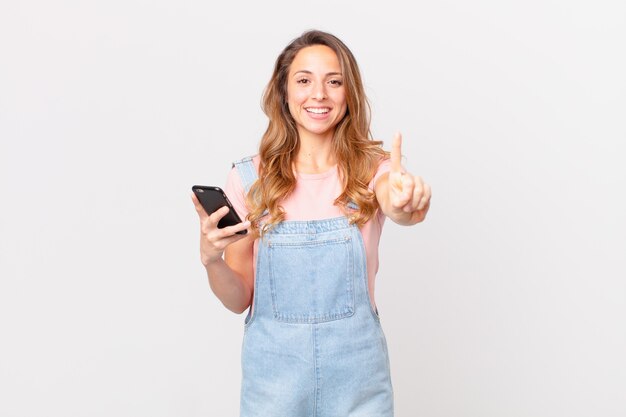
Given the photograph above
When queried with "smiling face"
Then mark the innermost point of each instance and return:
(315, 91)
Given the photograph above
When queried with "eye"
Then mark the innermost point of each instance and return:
(336, 83)
(302, 81)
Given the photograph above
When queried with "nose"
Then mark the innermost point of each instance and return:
(319, 91)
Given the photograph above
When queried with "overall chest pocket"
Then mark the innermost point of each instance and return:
(312, 281)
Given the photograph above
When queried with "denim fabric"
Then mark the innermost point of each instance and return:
(313, 346)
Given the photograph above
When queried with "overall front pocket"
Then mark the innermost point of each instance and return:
(312, 281)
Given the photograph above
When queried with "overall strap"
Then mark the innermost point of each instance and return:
(247, 172)
(352, 205)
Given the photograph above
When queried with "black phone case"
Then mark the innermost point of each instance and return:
(212, 199)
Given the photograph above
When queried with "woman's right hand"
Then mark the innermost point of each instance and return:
(213, 240)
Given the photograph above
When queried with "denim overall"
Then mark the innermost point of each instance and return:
(314, 346)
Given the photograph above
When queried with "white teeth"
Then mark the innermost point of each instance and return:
(317, 111)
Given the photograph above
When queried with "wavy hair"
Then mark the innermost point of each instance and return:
(357, 154)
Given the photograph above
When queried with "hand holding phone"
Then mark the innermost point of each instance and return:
(212, 199)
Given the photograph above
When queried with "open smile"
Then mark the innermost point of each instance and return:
(317, 110)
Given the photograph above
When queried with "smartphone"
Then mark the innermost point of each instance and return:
(213, 198)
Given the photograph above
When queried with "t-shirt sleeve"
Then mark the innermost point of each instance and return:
(235, 193)
(384, 166)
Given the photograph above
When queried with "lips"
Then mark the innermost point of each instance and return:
(318, 113)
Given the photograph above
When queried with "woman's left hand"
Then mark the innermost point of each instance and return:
(408, 195)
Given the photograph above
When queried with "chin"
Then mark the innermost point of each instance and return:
(320, 131)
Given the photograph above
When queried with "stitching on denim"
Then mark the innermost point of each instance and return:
(311, 243)
(247, 172)
(316, 360)
(306, 318)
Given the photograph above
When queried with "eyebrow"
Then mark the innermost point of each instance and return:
(309, 72)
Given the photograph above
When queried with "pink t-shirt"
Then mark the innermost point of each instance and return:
(313, 199)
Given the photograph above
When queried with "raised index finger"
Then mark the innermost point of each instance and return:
(396, 153)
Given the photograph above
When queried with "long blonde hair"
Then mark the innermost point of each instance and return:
(357, 154)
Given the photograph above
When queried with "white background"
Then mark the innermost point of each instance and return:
(509, 300)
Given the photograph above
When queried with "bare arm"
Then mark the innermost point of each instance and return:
(231, 278)
(402, 197)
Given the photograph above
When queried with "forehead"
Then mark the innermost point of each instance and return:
(315, 58)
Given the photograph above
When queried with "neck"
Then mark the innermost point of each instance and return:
(315, 154)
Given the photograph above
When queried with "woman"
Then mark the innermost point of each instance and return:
(315, 199)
